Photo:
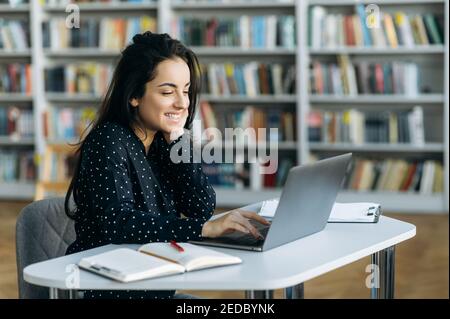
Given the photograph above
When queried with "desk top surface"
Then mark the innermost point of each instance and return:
(337, 245)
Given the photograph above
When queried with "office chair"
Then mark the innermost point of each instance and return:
(43, 231)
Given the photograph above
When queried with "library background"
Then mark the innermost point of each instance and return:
(313, 69)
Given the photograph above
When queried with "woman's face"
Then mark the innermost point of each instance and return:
(164, 106)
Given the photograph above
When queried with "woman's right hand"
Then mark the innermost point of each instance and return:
(236, 220)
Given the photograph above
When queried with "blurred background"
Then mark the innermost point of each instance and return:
(369, 77)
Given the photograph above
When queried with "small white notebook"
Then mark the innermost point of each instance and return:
(154, 260)
(340, 213)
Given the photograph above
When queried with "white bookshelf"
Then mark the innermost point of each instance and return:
(398, 202)
(7, 9)
(17, 190)
(164, 10)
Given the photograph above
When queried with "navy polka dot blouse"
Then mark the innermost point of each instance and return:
(128, 196)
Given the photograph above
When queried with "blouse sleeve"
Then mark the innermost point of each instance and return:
(112, 202)
(193, 194)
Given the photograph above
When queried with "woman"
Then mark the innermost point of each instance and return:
(125, 187)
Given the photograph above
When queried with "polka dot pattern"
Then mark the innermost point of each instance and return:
(128, 196)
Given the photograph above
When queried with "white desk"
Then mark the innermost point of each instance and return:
(287, 266)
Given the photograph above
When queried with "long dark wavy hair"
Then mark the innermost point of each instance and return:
(136, 66)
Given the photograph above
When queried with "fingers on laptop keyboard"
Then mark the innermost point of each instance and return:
(255, 216)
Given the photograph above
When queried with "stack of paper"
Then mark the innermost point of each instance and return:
(340, 213)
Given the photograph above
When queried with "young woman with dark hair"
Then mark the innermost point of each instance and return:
(126, 188)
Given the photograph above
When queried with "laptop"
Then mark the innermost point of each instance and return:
(304, 207)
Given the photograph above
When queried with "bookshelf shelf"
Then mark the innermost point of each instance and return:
(6, 8)
(393, 202)
(81, 53)
(246, 99)
(237, 51)
(280, 145)
(424, 49)
(102, 7)
(64, 97)
(381, 147)
(15, 54)
(239, 197)
(372, 98)
(236, 5)
(24, 141)
(17, 190)
(15, 97)
(379, 2)
(398, 202)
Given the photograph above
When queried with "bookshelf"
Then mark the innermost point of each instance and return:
(301, 102)
(17, 188)
(434, 103)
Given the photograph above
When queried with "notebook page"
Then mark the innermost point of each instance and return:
(193, 257)
(126, 264)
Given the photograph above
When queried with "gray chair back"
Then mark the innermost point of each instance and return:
(43, 231)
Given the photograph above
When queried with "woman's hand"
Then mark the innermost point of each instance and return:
(236, 220)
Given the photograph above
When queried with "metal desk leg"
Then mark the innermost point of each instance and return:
(53, 293)
(73, 294)
(259, 294)
(384, 275)
(295, 292)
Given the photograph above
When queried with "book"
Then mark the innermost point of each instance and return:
(340, 213)
(154, 260)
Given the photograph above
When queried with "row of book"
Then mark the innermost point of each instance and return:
(246, 175)
(13, 2)
(395, 175)
(105, 33)
(253, 118)
(58, 166)
(84, 78)
(16, 122)
(66, 124)
(66, 2)
(380, 29)
(365, 175)
(14, 35)
(266, 32)
(348, 78)
(357, 127)
(17, 166)
(249, 79)
(15, 78)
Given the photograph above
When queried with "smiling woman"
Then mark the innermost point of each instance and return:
(126, 188)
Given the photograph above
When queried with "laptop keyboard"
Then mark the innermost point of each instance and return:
(246, 239)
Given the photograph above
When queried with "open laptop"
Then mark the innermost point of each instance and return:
(304, 207)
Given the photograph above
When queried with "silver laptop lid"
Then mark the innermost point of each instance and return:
(306, 200)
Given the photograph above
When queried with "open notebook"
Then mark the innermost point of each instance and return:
(154, 260)
(340, 213)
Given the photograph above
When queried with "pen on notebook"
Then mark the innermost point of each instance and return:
(174, 244)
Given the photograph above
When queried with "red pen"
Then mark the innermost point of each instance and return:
(176, 246)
